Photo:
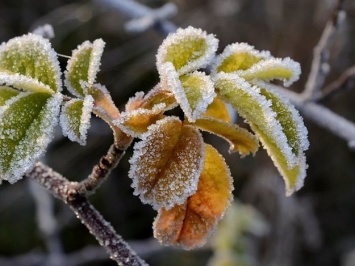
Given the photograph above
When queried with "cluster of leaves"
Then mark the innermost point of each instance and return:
(172, 169)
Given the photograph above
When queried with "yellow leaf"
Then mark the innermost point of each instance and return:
(167, 163)
(217, 109)
(240, 139)
(190, 224)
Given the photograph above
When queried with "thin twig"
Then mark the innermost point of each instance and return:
(344, 82)
(101, 170)
(319, 68)
(104, 233)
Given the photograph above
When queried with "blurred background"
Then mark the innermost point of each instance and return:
(263, 227)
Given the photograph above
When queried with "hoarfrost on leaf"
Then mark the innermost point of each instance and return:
(190, 224)
(31, 56)
(167, 163)
(75, 119)
(193, 91)
(83, 66)
(275, 122)
(187, 50)
(237, 56)
(27, 123)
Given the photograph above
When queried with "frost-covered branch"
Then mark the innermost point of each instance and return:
(66, 191)
(320, 68)
(345, 81)
(142, 16)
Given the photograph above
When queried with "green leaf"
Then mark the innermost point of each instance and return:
(6, 93)
(31, 56)
(275, 122)
(188, 50)
(193, 91)
(75, 119)
(26, 127)
(83, 66)
(237, 57)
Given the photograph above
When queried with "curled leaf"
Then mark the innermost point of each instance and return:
(237, 56)
(83, 66)
(240, 139)
(136, 122)
(167, 163)
(193, 91)
(159, 95)
(75, 118)
(31, 57)
(190, 224)
(26, 126)
(187, 50)
(275, 122)
(274, 68)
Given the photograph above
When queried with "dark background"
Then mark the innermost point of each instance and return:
(315, 227)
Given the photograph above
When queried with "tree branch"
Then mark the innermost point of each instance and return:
(320, 68)
(61, 188)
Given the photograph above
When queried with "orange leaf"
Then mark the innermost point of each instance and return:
(190, 224)
(136, 122)
(167, 163)
(240, 139)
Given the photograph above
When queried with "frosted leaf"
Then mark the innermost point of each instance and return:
(240, 139)
(6, 93)
(75, 119)
(194, 91)
(187, 50)
(33, 57)
(26, 127)
(135, 102)
(278, 125)
(22, 82)
(275, 68)
(159, 95)
(167, 163)
(136, 122)
(237, 56)
(190, 224)
(83, 66)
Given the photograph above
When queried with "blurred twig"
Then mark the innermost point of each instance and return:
(142, 16)
(320, 68)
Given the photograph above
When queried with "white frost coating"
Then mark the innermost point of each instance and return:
(65, 123)
(237, 48)
(139, 171)
(23, 160)
(171, 78)
(138, 96)
(272, 127)
(22, 82)
(274, 63)
(95, 60)
(185, 34)
(157, 109)
(34, 40)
